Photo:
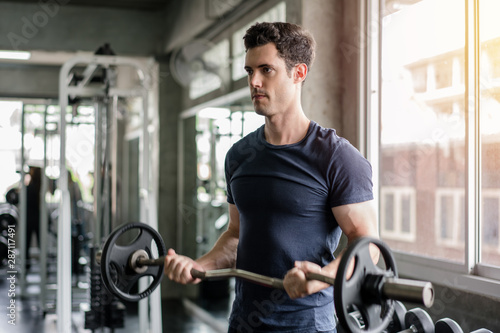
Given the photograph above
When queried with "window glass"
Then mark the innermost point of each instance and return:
(422, 139)
(489, 86)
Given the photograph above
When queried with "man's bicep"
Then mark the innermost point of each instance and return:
(357, 220)
(234, 221)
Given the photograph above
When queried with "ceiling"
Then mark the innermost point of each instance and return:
(147, 5)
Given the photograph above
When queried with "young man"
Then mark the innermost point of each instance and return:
(293, 187)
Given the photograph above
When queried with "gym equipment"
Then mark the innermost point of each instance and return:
(418, 321)
(8, 216)
(8, 219)
(4, 251)
(105, 310)
(12, 196)
(123, 266)
(398, 318)
(447, 325)
(370, 288)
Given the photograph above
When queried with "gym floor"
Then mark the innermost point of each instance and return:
(200, 316)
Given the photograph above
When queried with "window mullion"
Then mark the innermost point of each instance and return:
(472, 134)
(369, 123)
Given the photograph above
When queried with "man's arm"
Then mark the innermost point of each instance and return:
(356, 220)
(222, 255)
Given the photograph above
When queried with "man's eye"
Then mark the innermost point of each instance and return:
(267, 70)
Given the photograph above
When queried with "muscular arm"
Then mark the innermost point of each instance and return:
(222, 255)
(355, 220)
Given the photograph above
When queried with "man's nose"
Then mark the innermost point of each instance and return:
(254, 80)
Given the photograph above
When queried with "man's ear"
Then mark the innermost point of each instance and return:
(300, 73)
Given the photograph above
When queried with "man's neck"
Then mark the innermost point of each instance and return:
(286, 129)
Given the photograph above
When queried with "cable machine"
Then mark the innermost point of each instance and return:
(95, 79)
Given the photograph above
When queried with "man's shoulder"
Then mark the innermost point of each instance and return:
(251, 140)
(326, 136)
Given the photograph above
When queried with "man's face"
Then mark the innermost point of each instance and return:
(271, 87)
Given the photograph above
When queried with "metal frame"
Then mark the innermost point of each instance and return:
(148, 199)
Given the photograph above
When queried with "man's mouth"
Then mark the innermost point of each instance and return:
(258, 96)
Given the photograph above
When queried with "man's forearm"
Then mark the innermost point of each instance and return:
(223, 254)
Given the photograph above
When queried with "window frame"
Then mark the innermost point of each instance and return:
(472, 274)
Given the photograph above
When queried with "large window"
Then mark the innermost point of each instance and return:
(439, 140)
(423, 122)
(489, 103)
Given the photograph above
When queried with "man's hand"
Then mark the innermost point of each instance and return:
(296, 283)
(178, 268)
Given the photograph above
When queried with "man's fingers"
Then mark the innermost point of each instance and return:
(178, 268)
(308, 267)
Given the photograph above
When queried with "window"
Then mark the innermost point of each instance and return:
(397, 214)
(490, 217)
(489, 125)
(450, 218)
(422, 119)
(438, 150)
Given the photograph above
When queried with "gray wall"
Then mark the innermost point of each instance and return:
(63, 27)
(36, 81)
(469, 310)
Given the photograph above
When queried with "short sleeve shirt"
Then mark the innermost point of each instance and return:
(284, 195)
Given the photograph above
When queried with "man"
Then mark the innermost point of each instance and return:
(293, 187)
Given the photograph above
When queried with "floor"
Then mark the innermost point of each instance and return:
(178, 316)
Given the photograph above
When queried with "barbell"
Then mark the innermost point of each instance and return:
(371, 289)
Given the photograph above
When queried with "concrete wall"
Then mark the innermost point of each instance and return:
(61, 26)
(331, 92)
(471, 311)
(29, 81)
(322, 91)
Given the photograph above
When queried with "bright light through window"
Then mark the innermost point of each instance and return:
(489, 30)
(422, 152)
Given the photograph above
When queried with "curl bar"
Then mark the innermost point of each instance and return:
(370, 288)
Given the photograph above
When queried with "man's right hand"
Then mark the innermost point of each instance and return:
(178, 268)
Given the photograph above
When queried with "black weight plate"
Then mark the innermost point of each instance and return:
(376, 312)
(116, 273)
(447, 325)
(420, 319)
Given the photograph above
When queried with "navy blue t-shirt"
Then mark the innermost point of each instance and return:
(284, 195)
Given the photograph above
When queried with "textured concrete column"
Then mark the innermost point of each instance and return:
(330, 94)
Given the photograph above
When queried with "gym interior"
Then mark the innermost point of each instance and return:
(155, 93)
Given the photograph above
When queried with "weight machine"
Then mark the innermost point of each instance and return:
(95, 79)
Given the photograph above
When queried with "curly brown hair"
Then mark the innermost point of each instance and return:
(295, 45)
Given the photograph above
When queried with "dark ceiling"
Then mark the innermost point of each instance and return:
(147, 5)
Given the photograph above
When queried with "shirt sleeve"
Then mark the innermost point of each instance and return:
(350, 176)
